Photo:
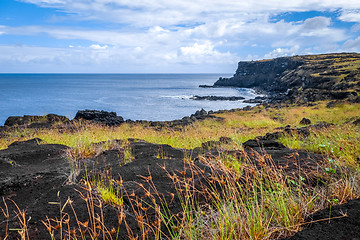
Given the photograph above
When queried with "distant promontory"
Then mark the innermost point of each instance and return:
(300, 78)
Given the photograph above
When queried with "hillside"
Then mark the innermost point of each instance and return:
(301, 78)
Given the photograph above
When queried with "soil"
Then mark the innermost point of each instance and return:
(35, 176)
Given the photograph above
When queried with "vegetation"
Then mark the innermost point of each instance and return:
(337, 67)
(252, 200)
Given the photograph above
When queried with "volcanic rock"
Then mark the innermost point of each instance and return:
(103, 117)
(305, 121)
(35, 121)
(345, 223)
(357, 122)
(217, 98)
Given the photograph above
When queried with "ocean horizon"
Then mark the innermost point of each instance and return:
(154, 97)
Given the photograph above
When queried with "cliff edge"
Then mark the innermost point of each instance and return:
(301, 78)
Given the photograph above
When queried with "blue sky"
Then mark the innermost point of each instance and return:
(162, 36)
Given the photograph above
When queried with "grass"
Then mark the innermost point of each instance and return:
(341, 142)
(249, 200)
(239, 125)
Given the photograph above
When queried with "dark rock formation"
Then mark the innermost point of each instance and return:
(180, 123)
(205, 86)
(257, 100)
(31, 175)
(340, 227)
(35, 121)
(217, 98)
(103, 117)
(305, 121)
(215, 144)
(263, 143)
(357, 122)
(261, 73)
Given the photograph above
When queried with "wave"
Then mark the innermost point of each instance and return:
(185, 97)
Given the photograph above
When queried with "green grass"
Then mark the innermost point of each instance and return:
(341, 142)
(108, 193)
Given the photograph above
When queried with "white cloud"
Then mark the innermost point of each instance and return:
(281, 52)
(98, 47)
(147, 13)
(198, 49)
(204, 53)
(316, 23)
(111, 59)
(352, 15)
(200, 32)
(352, 45)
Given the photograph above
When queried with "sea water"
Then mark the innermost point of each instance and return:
(155, 97)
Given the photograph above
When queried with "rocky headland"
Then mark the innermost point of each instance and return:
(300, 79)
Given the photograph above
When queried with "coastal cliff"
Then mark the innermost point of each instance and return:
(300, 78)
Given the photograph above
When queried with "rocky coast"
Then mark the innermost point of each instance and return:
(50, 190)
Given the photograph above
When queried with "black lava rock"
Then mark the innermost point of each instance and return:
(305, 121)
(357, 122)
(104, 117)
(35, 121)
(217, 98)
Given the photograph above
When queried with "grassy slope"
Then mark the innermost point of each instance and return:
(332, 71)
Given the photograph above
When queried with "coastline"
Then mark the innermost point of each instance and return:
(155, 97)
(295, 156)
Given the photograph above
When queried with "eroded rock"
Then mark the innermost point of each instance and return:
(35, 121)
(103, 117)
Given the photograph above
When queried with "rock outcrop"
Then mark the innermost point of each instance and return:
(217, 98)
(103, 117)
(261, 73)
(35, 121)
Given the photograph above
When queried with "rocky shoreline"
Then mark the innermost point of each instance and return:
(99, 117)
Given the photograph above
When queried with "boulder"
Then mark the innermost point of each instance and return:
(305, 121)
(35, 121)
(103, 117)
(357, 122)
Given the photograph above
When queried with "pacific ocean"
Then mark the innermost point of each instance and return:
(155, 97)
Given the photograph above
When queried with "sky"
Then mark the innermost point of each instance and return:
(168, 36)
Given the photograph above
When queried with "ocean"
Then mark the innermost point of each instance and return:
(155, 97)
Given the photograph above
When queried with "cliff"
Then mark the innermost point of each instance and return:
(301, 78)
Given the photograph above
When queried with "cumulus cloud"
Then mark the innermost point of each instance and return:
(203, 53)
(181, 32)
(198, 49)
(98, 47)
(281, 52)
